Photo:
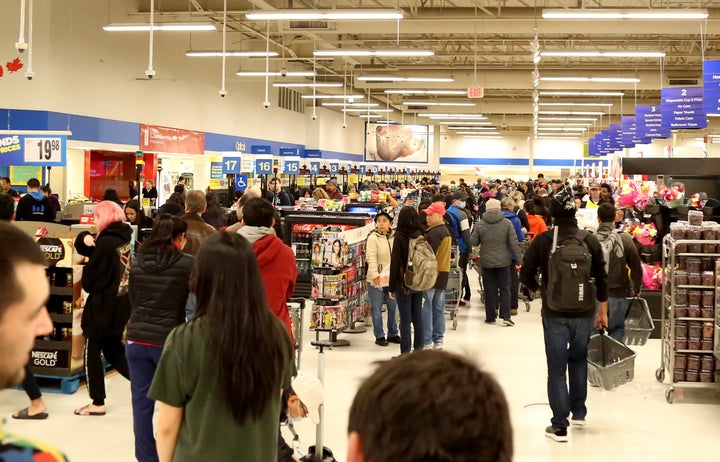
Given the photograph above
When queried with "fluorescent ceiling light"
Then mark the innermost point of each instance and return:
(389, 78)
(213, 53)
(337, 14)
(451, 116)
(606, 13)
(436, 103)
(564, 124)
(366, 110)
(352, 104)
(364, 52)
(370, 116)
(471, 128)
(605, 54)
(492, 137)
(331, 96)
(196, 26)
(426, 92)
(311, 85)
(571, 112)
(577, 104)
(273, 74)
(476, 133)
(562, 129)
(456, 122)
(570, 119)
(591, 79)
(581, 93)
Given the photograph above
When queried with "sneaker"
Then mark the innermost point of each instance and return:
(508, 322)
(488, 321)
(462, 303)
(394, 339)
(513, 312)
(438, 345)
(381, 341)
(579, 423)
(557, 434)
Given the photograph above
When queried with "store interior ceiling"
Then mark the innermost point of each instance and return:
(482, 43)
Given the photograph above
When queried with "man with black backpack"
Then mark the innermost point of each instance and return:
(620, 254)
(573, 278)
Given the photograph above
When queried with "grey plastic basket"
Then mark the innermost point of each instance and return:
(610, 363)
(638, 322)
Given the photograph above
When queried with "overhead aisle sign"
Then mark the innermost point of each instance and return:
(648, 122)
(711, 87)
(683, 108)
(40, 150)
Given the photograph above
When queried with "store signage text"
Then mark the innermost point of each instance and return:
(19, 150)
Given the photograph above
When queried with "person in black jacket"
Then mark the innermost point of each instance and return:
(158, 291)
(409, 301)
(107, 309)
(34, 206)
(214, 213)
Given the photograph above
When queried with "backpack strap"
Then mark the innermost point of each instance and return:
(554, 241)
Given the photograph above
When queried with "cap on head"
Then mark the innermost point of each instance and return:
(435, 207)
(332, 182)
(562, 204)
(594, 186)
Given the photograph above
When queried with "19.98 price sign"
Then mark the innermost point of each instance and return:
(43, 150)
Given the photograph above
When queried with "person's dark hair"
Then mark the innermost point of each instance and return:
(247, 344)
(408, 221)
(139, 212)
(408, 410)
(7, 207)
(179, 188)
(529, 207)
(111, 195)
(176, 198)
(33, 183)
(606, 212)
(46, 189)
(166, 228)
(258, 212)
(22, 250)
(437, 198)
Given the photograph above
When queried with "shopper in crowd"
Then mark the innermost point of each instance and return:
(47, 192)
(149, 191)
(135, 215)
(378, 249)
(214, 214)
(279, 197)
(175, 205)
(276, 260)
(107, 308)
(409, 301)
(430, 406)
(535, 221)
(304, 193)
(133, 189)
(34, 206)
(463, 239)
(351, 188)
(518, 203)
(220, 376)
(439, 238)
(7, 207)
(300, 400)
(566, 334)
(498, 249)
(592, 201)
(320, 193)
(606, 193)
(6, 187)
(619, 288)
(158, 290)
(508, 206)
(198, 230)
(111, 194)
(23, 316)
(331, 187)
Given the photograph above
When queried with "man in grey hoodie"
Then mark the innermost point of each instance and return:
(498, 249)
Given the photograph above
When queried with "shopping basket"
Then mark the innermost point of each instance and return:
(610, 363)
(638, 322)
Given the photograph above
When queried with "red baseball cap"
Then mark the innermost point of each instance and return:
(435, 207)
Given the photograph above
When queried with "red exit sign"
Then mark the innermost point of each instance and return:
(476, 92)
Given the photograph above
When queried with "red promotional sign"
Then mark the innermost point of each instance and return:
(475, 92)
(171, 140)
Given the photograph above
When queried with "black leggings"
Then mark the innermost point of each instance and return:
(114, 352)
(29, 384)
(463, 262)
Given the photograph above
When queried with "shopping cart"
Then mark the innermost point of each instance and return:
(453, 290)
(296, 307)
(523, 297)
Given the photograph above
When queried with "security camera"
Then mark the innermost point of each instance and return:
(150, 73)
(266, 104)
(344, 126)
(29, 75)
(504, 126)
(223, 93)
(283, 72)
(21, 47)
(314, 117)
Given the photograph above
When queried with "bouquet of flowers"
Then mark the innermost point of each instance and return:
(645, 234)
(674, 195)
(698, 200)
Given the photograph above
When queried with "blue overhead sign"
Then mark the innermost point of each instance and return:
(260, 149)
(289, 152)
(263, 166)
(40, 150)
(292, 167)
(683, 108)
(711, 87)
(315, 168)
(648, 122)
(313, 153)
(334, 168)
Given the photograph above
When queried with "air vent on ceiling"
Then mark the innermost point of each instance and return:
(306, 25)
(684, 81)
(417, 106)
(291, 99)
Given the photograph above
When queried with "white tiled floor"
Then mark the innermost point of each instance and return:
(631, 423)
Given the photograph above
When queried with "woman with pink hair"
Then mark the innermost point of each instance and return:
(107, 309)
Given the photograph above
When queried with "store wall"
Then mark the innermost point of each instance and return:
(74, 175)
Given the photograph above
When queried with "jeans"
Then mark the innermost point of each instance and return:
(617, 309)
(114, 352)
(433, 314)
(463, 263)
(410, 307)
(378, 296)
(143, 361)
(566, 350)
(496, 284)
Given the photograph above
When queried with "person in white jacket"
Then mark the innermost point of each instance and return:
(378, 249)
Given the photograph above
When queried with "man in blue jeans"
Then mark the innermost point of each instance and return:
(439, 239)
(566, 334)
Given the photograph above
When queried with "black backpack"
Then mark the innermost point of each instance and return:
(570, 288)
(614, 255)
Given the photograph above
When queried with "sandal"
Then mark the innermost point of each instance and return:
(24, 414)
(85, 411)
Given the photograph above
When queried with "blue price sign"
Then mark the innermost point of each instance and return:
(263, 166)
(292, 167)
(315, 168)
(333, 168)
(231, 165)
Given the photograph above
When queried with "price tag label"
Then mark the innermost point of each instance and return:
(45, 149)
(263, 166)
(333, 168)
(292, 167)
(231, 165)
(315, 168)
